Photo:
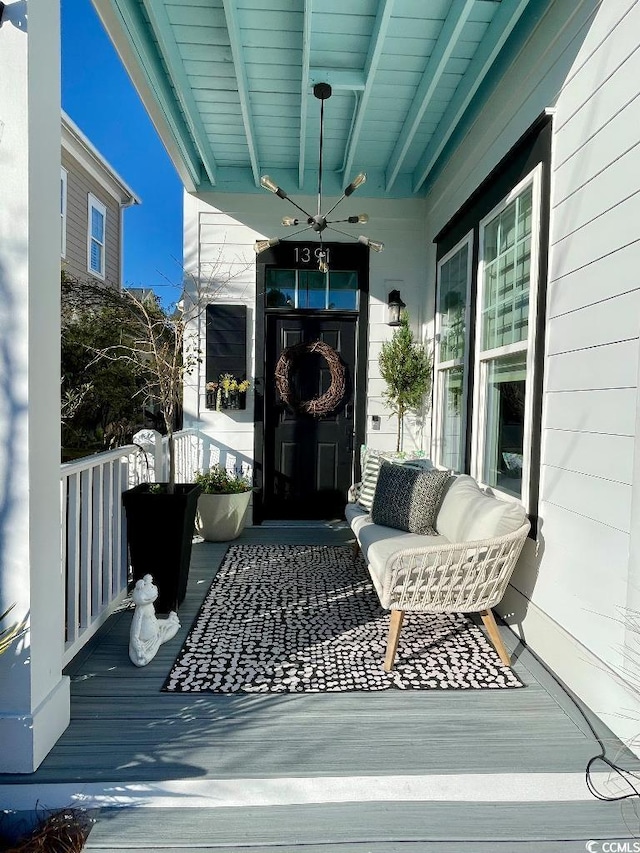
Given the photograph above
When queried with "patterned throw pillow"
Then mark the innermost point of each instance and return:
(370, 472)
(408, 498)
(370, 462)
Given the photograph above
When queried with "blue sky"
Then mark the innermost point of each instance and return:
(98, 96)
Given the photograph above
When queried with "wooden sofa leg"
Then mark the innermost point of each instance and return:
(392, 640)
(494, 635)
(356, 549)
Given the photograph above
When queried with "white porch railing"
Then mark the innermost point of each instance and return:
(93, 538)
(93, 535)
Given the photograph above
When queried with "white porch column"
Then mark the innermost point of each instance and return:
(34, 697)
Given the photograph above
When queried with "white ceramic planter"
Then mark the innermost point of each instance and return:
(221, 518)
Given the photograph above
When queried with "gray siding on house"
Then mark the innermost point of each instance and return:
(79, 184)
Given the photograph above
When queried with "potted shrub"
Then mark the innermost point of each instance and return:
(222, 504)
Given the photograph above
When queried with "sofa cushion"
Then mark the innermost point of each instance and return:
(353, 514)
(467, 513)
(408, 498)
(380, 543)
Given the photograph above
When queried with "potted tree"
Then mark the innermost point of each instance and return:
(405, 366)
(160, 516)
(162, 347)
(222, 504)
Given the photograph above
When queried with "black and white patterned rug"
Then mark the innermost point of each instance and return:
(297, 619)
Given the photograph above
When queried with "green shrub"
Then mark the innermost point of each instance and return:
(218, 481)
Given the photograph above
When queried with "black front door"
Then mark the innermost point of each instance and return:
(308, 460)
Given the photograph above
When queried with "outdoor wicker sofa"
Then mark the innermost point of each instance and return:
(464, 569)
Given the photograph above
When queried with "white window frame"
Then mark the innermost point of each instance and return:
(63, 212)
(95, 203)
(441, 367)
(482, 359)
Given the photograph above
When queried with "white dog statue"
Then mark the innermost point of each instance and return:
(147, 632)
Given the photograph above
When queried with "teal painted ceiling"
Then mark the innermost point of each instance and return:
(229, 83)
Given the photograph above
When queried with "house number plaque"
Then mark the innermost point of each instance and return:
(310, 254)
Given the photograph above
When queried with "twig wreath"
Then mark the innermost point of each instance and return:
(332, 397)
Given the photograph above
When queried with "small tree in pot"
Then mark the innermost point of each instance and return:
(405, 366)
(222, 505)
(162, 347)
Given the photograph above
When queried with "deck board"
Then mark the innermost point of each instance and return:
(362, 823)
(125, 730)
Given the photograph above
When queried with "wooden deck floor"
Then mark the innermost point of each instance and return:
(390, 771)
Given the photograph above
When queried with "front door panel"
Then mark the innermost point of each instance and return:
(308, 460)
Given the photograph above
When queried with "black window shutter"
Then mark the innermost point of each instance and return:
(226, 341)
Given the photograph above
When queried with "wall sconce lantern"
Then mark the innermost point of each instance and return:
(394, 308)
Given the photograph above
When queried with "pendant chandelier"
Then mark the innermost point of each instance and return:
(319, 223)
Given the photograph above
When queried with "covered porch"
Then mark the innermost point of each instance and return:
(374, 771)
(365, 771)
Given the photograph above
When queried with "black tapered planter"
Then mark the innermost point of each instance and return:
(160, 530)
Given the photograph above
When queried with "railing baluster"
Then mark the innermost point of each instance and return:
(107, 538)
(73, 558)
(86, 531)
(122, 534)
(64, 513)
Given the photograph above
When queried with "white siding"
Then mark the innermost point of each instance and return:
(220, 231)
(583, 60)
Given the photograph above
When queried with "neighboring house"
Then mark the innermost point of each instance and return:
(503, 158)
(93, 198)
(144, 295)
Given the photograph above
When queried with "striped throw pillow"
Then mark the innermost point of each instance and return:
(370, 473)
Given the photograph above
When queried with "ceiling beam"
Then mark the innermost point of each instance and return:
(237, 52)
(444, 47)
(164, 34)
(376, 44)
(139, 55)
(349, 79)
(507, 16)
(304, 87)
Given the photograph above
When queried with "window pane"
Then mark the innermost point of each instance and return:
(343, 291)
(97, 225)
(96, 256)
(452, 434)
(504, 425)
(507, 274)
(281, 288)
(452, 300)
(312, 289)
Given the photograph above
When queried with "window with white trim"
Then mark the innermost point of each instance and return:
(488, 384)
(452, 355)
(505, 340)
(63, 212)
(97, 227)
